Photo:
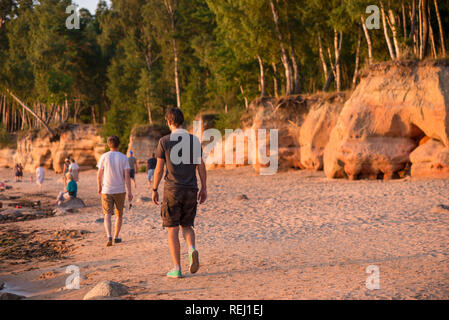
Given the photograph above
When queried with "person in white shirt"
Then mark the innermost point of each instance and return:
(112, 178)
(40, 176)
(74, 169)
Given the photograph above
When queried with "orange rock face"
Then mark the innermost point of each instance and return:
(81, 142)
(392, 109)
(143, 142)
(317, 127)
(430, 160)
(304, 123)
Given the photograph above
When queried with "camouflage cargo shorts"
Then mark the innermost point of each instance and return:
(179, 207)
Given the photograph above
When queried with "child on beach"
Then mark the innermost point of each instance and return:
(70, 190)
(40, 175)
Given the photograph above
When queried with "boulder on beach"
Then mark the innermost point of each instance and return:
(72, 203)
(430, 160)
(106, 289)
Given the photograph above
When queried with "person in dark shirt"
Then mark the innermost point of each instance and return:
(18, 172)
(151, 165)
(181, 153)
(132, 167)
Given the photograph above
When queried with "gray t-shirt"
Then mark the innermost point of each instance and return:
(181, 170)
(132, 161)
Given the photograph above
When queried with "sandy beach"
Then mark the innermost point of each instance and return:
(298, 235)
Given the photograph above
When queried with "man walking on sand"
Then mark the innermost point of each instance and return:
(151, 164)
(181, 189)
(132, 167)
(113, 175)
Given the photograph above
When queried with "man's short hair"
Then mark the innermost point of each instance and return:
(113, 142)
(73, 160)
(175, 116)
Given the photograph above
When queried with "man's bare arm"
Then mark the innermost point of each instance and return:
(128, 185)
(158, 173)
(202, 196)
(100, 180)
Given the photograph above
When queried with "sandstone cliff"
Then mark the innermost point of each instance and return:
(395, 105)
(143, 141)
(81, 142)
(304, 123)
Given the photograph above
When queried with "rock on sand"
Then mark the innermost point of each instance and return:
(106, 289)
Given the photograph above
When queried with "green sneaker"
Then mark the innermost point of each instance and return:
(174, 274)
(194, 261)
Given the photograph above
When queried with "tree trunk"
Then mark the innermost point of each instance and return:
(150, 119)
(368, 41)
(404, 20)
(332, 72)
(294, 59)
(393, 26)
(94, 118)
(244, 97)
(262, 77)
(387, 37)
(171, 14)
(440, 26)
(284, 56)
(412, 26)
(331, 62)
(337, 47)
(420, 29)
(275, 80)
(432, 38)
(32, 112)
(357, 61)
(425, 29)
(323, 61)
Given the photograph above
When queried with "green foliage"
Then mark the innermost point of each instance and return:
(120, 64)
(229, 120)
